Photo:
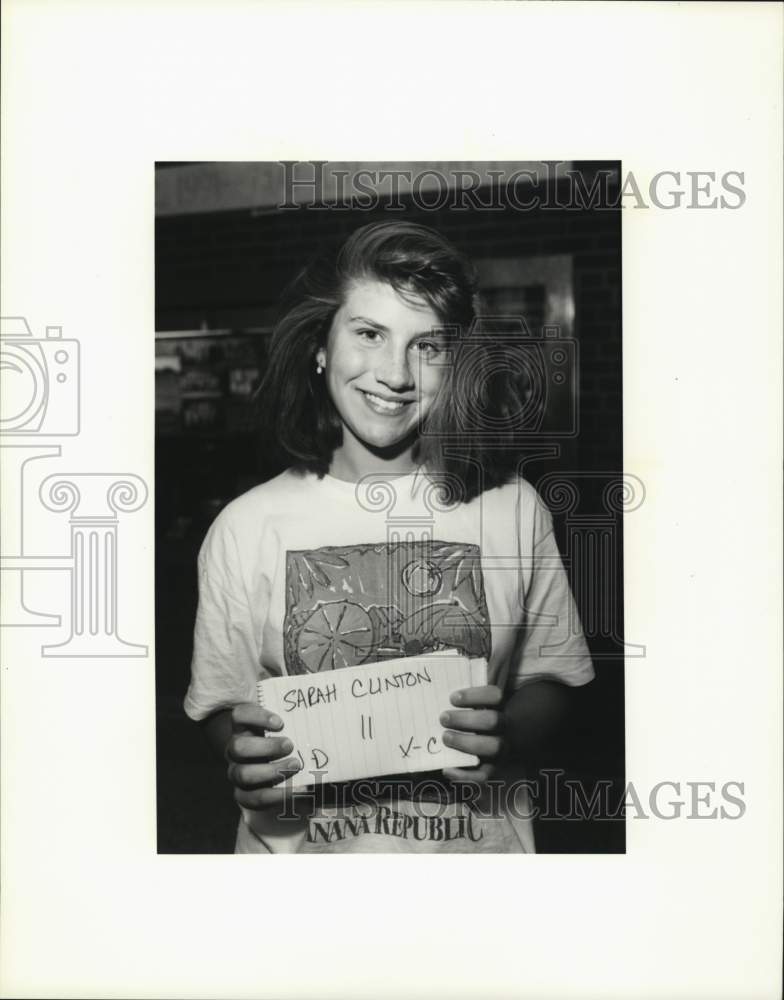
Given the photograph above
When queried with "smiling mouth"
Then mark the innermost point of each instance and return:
(386, 406)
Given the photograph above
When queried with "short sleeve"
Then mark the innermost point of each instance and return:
(552, 643)
(226, 653)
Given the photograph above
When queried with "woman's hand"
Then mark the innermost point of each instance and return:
(475, 726)
(255, 764)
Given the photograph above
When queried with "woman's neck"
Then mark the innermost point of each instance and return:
(352, 463)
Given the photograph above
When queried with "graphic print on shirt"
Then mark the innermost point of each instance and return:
(353, 604)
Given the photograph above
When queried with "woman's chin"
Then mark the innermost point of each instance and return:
(388, 449)
(387, 446)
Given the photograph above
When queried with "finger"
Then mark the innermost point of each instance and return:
(252, 776)
(478, 775)
(264, 798)
(484, 747)
(245, 748)
(487, 696)
(274, 796)
(473, 720)
(251, 718)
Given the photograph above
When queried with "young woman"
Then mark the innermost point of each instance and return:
(398, 529)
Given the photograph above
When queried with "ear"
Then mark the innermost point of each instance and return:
(321, 357)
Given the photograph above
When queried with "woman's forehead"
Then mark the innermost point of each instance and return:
(370, 298)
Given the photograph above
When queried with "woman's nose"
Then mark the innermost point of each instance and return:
(394, 371)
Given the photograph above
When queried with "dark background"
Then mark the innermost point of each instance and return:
(224, 270)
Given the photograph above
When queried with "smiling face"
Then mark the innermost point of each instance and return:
(382, 373)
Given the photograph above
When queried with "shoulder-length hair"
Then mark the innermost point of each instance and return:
(459, 440)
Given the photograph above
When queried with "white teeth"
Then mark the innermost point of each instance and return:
(382, 404)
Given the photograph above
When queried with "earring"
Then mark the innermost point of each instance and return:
(319, 368)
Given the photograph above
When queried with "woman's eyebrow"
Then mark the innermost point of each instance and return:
(368, 322)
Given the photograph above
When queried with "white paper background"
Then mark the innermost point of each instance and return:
(93, 94)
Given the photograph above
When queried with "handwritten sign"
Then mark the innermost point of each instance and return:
(374, 719)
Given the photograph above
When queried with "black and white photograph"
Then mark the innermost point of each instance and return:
(389, 431)
(390, 500)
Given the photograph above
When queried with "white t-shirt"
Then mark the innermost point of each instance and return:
(303, 574)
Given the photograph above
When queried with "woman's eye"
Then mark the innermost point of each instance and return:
(370, 335)
(428, 347)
